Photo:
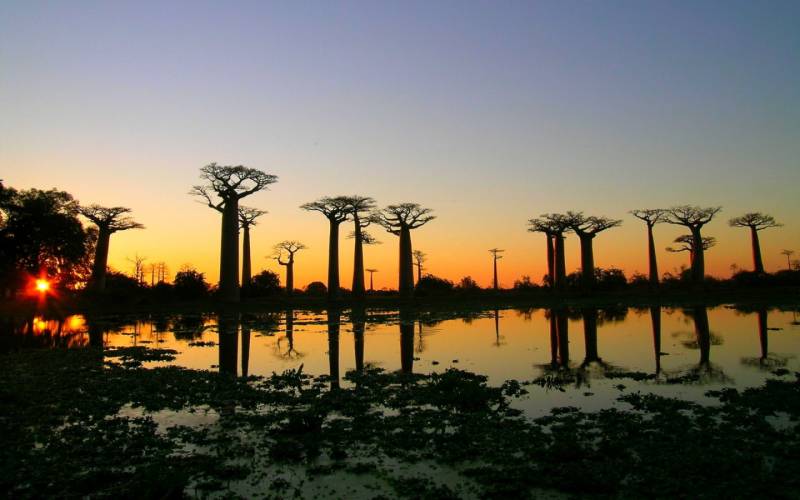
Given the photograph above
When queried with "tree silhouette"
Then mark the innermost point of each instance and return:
(553, 226)
(755, 221)
(651, 217)
(495, 257)
(694, 218)
(587, 227)
(108, 220)
(686, 243)
(247, 219)
(224, 187)
(788, 254)
(358, 208)
(419, 258)
(336, 211)
(400, 220)
(291, 247)
(371, 272)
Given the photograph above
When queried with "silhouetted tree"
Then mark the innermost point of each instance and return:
(247, 219)
(553, 226)
(495, 257)
(138, 268)
(755, 221)
(587, 227)
(108, 220)
(265, 283)
(371, 272)
(419, 258)
(229, 184)
(190, 284)
(686, 243)
(358, 208)
(291, 247)
(651, 217)
(335, 210)
(694, 218)
(788, 254)
(400, 220)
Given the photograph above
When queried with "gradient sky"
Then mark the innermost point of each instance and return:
(488, 112)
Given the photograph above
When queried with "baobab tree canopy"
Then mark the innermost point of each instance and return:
(335, 208)
(691, 216)
(755, 220)
(584, 225)
(400, 220)
(685, 243)
(651, 216)
(248, 216)
(112, 219)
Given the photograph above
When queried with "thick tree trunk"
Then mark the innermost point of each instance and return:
(371, 287)
(246, 271)
(495, 275)
(560, 262)
(333, 261)
(651, 254)
(762, 333)
(290, 277)
(590, 335)
(655, 321)
(550, 261)
(419, 271)
(333, 347)
(358, 261)
(229, 252)
(703, 333)
(98, 278)
(698, 257)
(406, 284)
(587, 261)
(758, 264)
(406, 342)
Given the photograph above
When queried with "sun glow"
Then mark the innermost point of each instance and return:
(42, 285)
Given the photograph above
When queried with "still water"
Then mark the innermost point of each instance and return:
(584, 358)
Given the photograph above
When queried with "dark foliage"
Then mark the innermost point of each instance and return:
(433, 285)
(190, 284)
(263, 284)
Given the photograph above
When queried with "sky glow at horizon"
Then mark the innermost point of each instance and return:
(488, 113)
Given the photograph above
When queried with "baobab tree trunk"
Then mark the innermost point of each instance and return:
(651, 253)
(590, 335)
(419, 271)
(587, 261)
(290, 277)
(229, 252)
(495, 275)
(358, 261)
(655, 321)
(758, 264)
(698, 258)
(560, 262)
(98, 278)
(246, 270)
(406, 285)
(333, 261)
(550, 261)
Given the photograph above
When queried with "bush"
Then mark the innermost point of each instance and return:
(467, 284)
(316, 289)
(433, 285)
(525, 284)
(190, 284)
(262, 284)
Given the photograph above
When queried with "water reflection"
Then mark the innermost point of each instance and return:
(406, 340)
(334, 320)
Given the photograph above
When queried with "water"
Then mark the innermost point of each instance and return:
(583, 358)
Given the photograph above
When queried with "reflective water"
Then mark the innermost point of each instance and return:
(583, 357)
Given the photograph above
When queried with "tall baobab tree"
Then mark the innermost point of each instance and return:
(400, 220)
(247, 219)
(587, 227)
(755, 221)
(694, 218)
(686, 243)
(108, 220)
(335, 209)
(419, 258)
(788, 254)
(371, 272)
(495, 257)
(651, 217)
(358, 208)
(223, 187)
(291, 247)
(553, 226)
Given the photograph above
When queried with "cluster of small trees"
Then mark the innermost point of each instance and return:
(694, 218)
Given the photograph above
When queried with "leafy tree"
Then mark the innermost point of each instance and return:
(399, 220)
(190, 284)
(433, 285)
(108, 220)
(336, 210)
(755, 221)
(553, 226)
(467, 284)
(694, 218)
(265, 283)
(358, 208)
(291, 247)
(587, 228)
(316, 288)
(247, 219)
(651, 217)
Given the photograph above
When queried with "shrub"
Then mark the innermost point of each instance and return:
(433, 285)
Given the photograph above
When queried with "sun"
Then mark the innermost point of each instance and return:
(42, 285)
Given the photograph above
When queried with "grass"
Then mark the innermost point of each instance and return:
(74, 423)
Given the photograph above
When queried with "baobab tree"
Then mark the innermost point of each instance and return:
(291, 247)
(223, 187)
(694, 218)
(108, 220)
(788, 254)
(419, 258)
(553, 226)
(358, 208)
(335, 209)
(495, 257)
(247, 219)
(651, 217)
(686, 243)
(371, 272)
(587, 227)
(755, 221)
(400, 220)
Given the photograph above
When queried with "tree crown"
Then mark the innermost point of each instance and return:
(754, 220)
(229, 183)
(248, 216)
(651, 216)
(394, 218)
(334, 208)
(583, 225)
(549, 224)
(112, 219)
(691, 216)
(685, 243)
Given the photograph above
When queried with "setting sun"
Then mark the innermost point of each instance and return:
(42, 285)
